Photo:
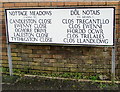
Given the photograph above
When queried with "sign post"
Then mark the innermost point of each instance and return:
(74, 26)
(9, 59)
(113, 65)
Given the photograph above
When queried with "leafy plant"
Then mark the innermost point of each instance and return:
(5, 69)
(28, 70)
(93, 77)
(103, 85)
(10, 79)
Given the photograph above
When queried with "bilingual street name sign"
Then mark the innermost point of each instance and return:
(67, 26)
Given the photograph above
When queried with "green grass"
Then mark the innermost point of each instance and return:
(74, 75)
(9, 79)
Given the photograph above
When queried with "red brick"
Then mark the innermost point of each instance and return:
(27, 51)
(21, 4)
(4, 57)
(52, 60)
(84, 3)
(13, 46)
(117, 16)
(117, 7)
(34, 55)
(112, 3)
(117, 21)
(17, 0)
(61, 69)
(57, 56)
(3, 53)
(16, 58)
(70, 3)
(14, 54)
(58, 3)
(117, 12)
(3, 37)
(45, 4)
(5, 65)
(98, 3)
(8, 5)
(47, 56)
(32, 4)
(50, 68)
(2, 9)
(4, 45)
(2, 13)
(4, 61)
(1, 4)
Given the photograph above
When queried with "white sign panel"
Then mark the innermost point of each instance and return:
(76, 26)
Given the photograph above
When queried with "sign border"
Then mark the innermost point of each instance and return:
(60, 44)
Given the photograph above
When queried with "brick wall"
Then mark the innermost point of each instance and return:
(59, 59)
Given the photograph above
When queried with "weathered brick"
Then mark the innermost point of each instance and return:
(34, 55)
(21, 4)
(3, 38)
(16, 58)
(54, 3)
(35, 47)
(84, 3)
(15, 50)
(58, 3)
(98, 3)
(46, 64)
(4, 61)
(112, 3)
(3, 53)
(47, 56)
(89, 70)
(18, 66)
(13, 46)
(102, 70)
(74, 70)
(42, 47)
(71, 65)
(38, 59)
(50, 60)
(4, 45)
(1, 4)
(117, 11)
(44, 4)
(117, 21)
(33, 4)
(4, 65)
(38, 67)
(8, 4)
(34, 63)
(60, 69)
(117, 8)
(70, 3)
(57, 56)
(50, 68)
(58, 65)
(15, 62)
(89, 62)
(1, 9)
(118, 66)
(26, 51)
(4, 57)
(14, 54)
(117, 72)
